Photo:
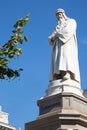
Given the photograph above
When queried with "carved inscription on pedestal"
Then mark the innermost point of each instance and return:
(50, 106)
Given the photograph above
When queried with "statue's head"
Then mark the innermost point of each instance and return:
(59, 11)
(60, 14)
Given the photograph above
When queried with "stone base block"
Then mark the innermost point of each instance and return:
(65, 111)
(59, 122)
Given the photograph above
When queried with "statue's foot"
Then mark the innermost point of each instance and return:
(66, 77)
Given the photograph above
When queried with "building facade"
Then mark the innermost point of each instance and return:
(4, 122)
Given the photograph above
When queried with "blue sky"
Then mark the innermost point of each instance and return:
(18, 97)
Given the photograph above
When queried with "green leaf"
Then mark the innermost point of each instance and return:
(25, 38)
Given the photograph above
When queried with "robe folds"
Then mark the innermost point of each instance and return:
(65, 50)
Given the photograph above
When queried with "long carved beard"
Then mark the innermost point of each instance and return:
(61, 23)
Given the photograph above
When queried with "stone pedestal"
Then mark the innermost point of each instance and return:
(64, 111)
(59, 86)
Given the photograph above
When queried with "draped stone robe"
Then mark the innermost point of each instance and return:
(65, 51)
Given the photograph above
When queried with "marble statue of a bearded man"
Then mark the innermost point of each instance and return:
(65, 52)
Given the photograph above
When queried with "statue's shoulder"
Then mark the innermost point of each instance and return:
(72, 20)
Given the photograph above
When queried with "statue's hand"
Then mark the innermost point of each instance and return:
(51, 39)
